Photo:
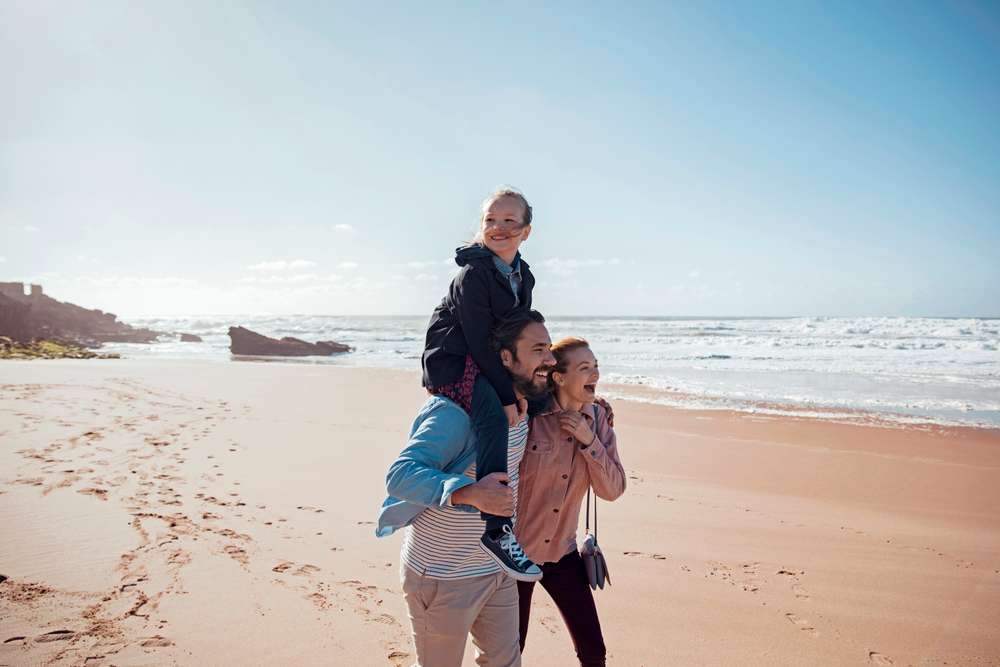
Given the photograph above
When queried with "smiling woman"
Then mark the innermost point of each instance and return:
(572, 448)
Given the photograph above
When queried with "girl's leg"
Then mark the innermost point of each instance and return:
(524, 591)
(566, 582)
(490, 425)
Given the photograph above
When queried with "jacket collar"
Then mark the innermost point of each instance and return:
(554, 408)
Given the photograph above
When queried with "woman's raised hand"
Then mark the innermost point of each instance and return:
(573, 423)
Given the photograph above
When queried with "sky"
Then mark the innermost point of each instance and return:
(683, 158)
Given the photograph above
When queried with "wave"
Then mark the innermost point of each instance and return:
(923, 367)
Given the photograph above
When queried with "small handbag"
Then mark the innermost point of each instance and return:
(590, 551)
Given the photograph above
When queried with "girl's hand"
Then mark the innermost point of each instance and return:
(513, 414)
(574, 424)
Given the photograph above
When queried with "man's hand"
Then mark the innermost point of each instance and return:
(515, 412)
(607, 408)
(574, 424)
(490, 494)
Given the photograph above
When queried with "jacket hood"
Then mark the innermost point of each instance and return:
(467, 253)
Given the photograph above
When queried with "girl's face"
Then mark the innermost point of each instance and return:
(579, 382)
(503, 229)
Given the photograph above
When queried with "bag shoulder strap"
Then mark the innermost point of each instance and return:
(587, 520)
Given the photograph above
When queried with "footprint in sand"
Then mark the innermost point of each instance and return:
(307, 508)
(237, 554)
(283, 566)
(55, 636)
(156, 641)
(398, 658)
(319, 600)
(100, 493)
(642, 554)
(550, 624)
(306, 570)
(875, 658)
(802, 624)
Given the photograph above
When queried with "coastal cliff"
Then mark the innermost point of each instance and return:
(35, 315)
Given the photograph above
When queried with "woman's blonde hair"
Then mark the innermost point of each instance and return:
(560, 350)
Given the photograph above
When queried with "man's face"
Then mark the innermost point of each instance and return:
(529, 370)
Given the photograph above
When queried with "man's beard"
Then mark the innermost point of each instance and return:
(527, 387)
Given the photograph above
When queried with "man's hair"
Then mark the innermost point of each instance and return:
(508, 330)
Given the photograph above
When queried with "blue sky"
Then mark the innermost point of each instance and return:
(695, 158)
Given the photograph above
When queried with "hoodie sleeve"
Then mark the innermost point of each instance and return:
(470, 293)
(418, 474)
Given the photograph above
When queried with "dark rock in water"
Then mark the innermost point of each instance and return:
(244, 341)
(27, 317)
(190, 338)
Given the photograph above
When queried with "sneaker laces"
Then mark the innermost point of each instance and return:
(510, 544)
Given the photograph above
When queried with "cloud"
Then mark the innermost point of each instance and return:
(567, 267)
(424, 277)
(344, 228)
(347, 265)
(136, 281)
(294, 279)
(2, 259)
(694, 275)
(31, 229)
(282, 265)
(429, 264)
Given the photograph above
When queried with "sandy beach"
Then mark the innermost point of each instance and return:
(157, 512)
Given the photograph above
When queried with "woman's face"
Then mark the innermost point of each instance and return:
(503, 229)
(579, 382)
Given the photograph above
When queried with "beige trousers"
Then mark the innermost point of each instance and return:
(443, 612)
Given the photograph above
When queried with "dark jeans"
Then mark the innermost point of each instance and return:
(490, 425)
(566, 583)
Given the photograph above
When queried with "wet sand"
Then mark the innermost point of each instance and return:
(209, 513)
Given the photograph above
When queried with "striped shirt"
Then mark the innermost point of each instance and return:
(443, 542)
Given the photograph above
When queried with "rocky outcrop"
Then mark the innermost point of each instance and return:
(244, 341)
(46, 349)
(190, 338)
(26, 317)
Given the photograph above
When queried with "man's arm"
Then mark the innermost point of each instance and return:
(417, 475)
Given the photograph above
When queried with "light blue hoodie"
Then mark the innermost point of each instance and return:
(431, 467)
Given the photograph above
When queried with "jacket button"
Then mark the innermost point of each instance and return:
(556, 510)
(546, 541)
(569, 439)
(534, 446)
(565, 476)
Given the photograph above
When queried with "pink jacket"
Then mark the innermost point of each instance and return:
(555, 473)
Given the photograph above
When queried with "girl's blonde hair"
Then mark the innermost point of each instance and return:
(504, 191)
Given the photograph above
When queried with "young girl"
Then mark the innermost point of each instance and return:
(459, 361)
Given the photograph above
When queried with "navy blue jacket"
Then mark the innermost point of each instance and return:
(478, 298)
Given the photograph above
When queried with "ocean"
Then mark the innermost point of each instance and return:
(902, 370)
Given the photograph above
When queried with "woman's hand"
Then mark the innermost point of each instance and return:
(574, 424)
